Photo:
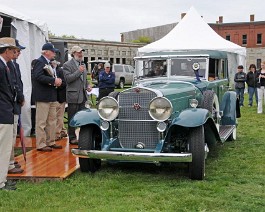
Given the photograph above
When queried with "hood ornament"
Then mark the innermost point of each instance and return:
(136, 106)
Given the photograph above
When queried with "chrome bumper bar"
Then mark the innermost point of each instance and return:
(133, 156)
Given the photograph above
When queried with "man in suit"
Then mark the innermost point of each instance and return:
(19, 102)
(7, 96)
(61, 98)
(75, 75)
(45, 85)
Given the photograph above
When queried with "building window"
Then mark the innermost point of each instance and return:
(227, 37)
(123, 60)
(105, 52)
(117, 60)
(244, 39)
(92, 51)
(111, 52)
(259, 38)
(118, 53)
(258, 63)
(99, 52)
(123, 53)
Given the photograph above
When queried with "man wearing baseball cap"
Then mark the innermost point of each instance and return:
(106, 83)
(7, 97)
(45, 85)
(75, 75)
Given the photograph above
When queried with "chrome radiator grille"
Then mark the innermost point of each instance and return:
(134, 106)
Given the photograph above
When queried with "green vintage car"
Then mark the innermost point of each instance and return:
(178, 108)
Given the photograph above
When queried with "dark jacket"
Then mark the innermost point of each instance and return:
(6, 96)
(18, 86)
(61, 91)
(240, 79)
(252, 79)
(106, 80)
(44, 89)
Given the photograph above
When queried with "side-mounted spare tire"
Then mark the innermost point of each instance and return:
(89, 139)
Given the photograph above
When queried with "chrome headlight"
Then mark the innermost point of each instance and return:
(108, 108)
(160, 108)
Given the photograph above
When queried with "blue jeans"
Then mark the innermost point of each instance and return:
(240, 95)
(251, 92)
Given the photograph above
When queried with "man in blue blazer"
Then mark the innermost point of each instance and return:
(7, 97)
(19, 101)
(45, 85)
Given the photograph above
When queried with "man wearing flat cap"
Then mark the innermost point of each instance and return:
(7, 98)
(45, 84)
(19, 102)
(75, 75)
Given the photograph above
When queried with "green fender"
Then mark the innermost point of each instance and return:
(192, 117)
(84, 117)
(229, 106)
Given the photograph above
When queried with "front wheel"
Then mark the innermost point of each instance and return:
(89, 139)
(196, 142)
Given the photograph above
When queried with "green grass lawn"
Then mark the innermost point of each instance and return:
(235, 181)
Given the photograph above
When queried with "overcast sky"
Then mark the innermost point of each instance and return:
(106, 19)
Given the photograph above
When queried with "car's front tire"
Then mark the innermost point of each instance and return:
(196, 142)
(89, 139)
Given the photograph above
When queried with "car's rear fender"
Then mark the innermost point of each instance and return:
(84, 117)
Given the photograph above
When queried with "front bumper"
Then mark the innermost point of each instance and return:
(133, 156)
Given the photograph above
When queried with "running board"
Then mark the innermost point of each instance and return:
(225, 131)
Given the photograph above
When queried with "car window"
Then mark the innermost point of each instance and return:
(183, 67)
(126, 69)
(118, 68)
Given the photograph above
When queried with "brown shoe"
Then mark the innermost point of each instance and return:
(74, 142)
(63, 134)
(45, 149)
(54, 146)
(15, 171)
(17, 165)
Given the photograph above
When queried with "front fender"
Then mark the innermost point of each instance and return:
(84, 117)
(193, 117)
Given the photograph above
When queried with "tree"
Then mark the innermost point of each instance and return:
(143, 39)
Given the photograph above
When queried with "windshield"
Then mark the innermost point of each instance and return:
(184, 67)
(152, 68)
(179, 67)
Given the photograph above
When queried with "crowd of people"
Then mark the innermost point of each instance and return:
(255, 80)
(53, 86)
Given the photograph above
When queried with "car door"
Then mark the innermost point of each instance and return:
(128, 74)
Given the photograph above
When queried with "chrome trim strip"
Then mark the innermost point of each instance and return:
(133, 156)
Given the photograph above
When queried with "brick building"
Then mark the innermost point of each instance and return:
(247, 34)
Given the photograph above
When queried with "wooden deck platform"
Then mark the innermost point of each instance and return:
(55, 165)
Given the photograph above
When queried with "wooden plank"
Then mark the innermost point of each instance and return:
(55, 165)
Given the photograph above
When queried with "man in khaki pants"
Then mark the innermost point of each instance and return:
(45, 85)
(7, 97)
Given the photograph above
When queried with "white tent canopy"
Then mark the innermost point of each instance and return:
(193, 35)
(32, 34)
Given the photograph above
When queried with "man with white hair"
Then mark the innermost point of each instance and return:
(45, 85)
(75, 75)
